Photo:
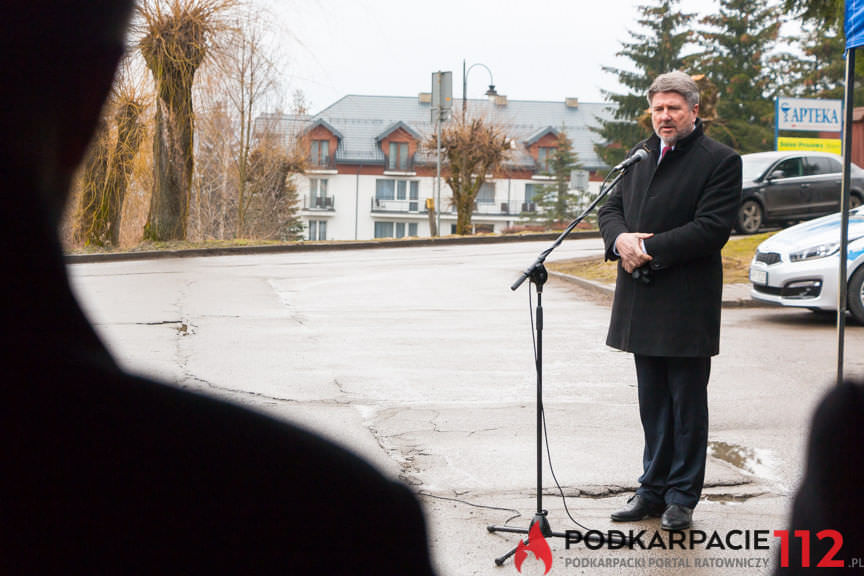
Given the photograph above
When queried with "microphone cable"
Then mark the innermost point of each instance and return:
(543, 419)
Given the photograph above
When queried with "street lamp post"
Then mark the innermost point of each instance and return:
(490, 92)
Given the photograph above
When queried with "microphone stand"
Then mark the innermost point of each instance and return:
(538, 275)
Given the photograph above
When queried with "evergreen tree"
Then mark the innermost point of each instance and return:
(826, 13)
(740, 36)
(655, 50)
(819, 71)
(556, 202)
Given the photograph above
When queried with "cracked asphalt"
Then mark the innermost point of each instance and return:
(421, 359)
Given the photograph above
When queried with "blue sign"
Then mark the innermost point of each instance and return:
(809, 114)
(854, 23)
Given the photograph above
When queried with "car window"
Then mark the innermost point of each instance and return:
(754, 165)
(822, 165)
(789, 168)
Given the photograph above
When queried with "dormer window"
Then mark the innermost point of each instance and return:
(398, 157)
(544, 156)
(398, 144)
(319, 154)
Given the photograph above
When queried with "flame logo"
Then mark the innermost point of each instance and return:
(536, 544)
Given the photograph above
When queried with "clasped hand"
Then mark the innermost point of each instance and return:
(629, 247)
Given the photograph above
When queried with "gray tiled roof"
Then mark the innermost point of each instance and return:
(360, 120)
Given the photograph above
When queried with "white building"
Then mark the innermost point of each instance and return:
(369, 176)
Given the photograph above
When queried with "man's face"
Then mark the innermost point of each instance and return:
(672, 117)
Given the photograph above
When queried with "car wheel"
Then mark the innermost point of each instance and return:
(855, 295)
(749, 217)
(854, 201)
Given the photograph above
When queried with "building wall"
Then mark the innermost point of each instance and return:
(359, 131)
(354, 211)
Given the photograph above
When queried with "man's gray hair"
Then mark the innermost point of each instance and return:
(675, 82)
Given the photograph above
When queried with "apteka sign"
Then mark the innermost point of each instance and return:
(809, 114)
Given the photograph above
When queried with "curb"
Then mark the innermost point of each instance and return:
(317, 246)
(732, 293)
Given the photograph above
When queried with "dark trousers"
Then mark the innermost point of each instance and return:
(673, 406)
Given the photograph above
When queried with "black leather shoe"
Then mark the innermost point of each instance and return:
(676, 517)
(636, 509)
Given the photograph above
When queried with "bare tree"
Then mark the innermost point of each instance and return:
(472, 149)
(299, 105)
(271, 189)
(242, 185)
(109, 164)
(177, 37)
(248, 76)
(212, 206)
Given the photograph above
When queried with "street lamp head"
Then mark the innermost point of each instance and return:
(491, 91)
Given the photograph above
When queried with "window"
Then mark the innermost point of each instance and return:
(790, 168)
(486, 194)
(383, 229)
(385, 189)
(395, 229)
(413, 197)
(318, 193)
(822, 165)
(317, 230)
(406, 191)
(531, 190)
(318, 187)
(544, 156)
(319, 154)
(398, 158)
(476, 229)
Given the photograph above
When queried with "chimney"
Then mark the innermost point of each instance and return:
(499, 100)
(571, 102)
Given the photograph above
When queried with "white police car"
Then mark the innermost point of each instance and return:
(798, 266)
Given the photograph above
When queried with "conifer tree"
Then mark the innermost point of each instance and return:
(556, 202)
(738, 41)
(818, 72)
(656, 49)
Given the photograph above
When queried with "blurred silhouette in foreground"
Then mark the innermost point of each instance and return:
(105, 472)
(829, 506)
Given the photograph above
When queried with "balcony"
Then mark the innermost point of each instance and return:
(399, 206)
(398, 164)
(319, 203)
(324, 163)
(512, 208)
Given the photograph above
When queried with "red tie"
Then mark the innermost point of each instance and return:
(663, 153)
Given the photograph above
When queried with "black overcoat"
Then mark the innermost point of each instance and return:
(689, 202)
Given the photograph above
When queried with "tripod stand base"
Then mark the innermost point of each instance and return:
(545, 529)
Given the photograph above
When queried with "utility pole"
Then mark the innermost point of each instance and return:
(442, 104)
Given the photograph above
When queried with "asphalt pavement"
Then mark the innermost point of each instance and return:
(422, 360)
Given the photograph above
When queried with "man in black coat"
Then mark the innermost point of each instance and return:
(106, 473)
(666, 222)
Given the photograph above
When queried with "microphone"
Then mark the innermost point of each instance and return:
(637, 156)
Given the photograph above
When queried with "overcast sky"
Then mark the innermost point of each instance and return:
(535, 50)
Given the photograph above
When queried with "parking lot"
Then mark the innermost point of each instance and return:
(422, 360)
